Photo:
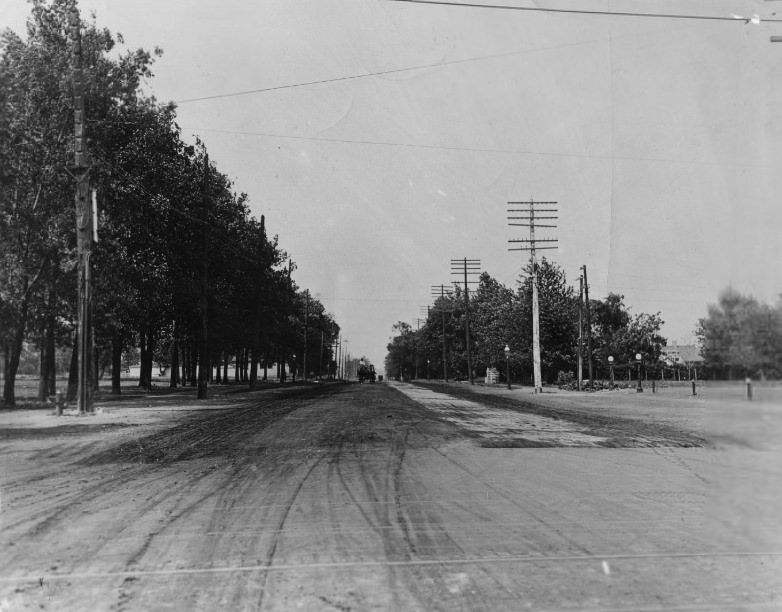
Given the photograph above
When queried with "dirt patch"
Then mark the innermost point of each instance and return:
(507, 422)
(34, 433)
(218, 432)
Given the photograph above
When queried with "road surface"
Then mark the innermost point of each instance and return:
(385, 497)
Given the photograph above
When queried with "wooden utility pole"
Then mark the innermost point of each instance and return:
(339, 358)
(417, 321)
(441, 295)
(588, 329)
(306, 322)
(526, 210)
(467, 266)
(286, 329)
(203, 357)
(258, 322)
(580, 365)
(84, 220)
(320, 363)
(344, 360)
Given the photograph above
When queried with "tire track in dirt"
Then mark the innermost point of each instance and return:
(202, 437)
(522, 507)
(412, 534)
(278, 532)
(380, 524)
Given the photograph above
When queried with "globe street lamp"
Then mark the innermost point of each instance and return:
(639, 388)
(611, 365)
(507, 364)
(293, 368)
(428, 361)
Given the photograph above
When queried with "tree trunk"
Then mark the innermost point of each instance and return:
(143, 351)
(73, 371)
(151, 343)
(6, 353)
(254, 368)
(174, 382)
(194, 364)
(225, 366)
(9, 396)
(116, 363)
(185, 378)
(42, 380)
(97, 370)
(147, 349)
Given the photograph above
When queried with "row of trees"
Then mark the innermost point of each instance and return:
(175, 240)
(501, 316)
(741, 336)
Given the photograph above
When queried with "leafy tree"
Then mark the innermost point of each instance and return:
(174, 237)
(400, 359)
(741, 337)
(558, 319)
(494, 324)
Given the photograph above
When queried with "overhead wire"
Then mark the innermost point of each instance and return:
(541, 9)
(358, 76)
(390, 71)
(413, 145)
(439, 64)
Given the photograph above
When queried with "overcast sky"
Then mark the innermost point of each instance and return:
(660, 138)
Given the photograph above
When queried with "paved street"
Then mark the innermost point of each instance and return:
(389, 497)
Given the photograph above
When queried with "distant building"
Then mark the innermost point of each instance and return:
(687, 355)
(682, 356)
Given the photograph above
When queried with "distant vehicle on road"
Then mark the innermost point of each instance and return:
(366, 372)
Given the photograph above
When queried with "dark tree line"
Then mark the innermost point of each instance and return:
(501, 316)
(741, 336)
(176, 242)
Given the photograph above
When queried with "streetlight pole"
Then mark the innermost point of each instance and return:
(428, 374)
(611, 365)
(639, 388)
(507, 364)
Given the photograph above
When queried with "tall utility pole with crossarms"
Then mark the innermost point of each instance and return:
(524, 214)
(84, 218)
(439, 291)
(466, 266)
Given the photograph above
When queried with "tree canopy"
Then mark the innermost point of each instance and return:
(501, 316)
(741, 336)
(174, 236)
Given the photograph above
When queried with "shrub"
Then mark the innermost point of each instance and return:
(566, 380)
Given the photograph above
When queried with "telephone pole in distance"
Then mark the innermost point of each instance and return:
(440, 291)
(467, 266)
(588, 328)
(522, 214)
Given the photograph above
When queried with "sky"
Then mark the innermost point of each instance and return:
(383, 139)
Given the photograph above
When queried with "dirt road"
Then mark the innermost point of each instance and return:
(382, 497)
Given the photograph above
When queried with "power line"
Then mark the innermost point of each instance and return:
(413, 145)
(538, 9)
(396, 70)
(439, 64)
(352, 77)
